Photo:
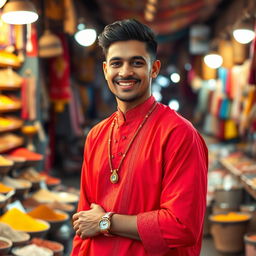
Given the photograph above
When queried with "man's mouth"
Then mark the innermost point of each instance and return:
(126, 84)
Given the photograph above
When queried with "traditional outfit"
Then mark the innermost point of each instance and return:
(162, 180)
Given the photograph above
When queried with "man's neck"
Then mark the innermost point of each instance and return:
(126, 106)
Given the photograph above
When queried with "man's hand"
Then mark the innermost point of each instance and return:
(86, 223)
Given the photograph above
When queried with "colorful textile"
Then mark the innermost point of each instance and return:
(162, 180)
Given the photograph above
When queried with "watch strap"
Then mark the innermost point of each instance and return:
(107, 216)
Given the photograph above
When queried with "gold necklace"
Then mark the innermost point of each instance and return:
(114, 172)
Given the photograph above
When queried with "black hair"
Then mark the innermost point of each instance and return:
(129, 29)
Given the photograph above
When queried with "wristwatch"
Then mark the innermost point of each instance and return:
(105, 223)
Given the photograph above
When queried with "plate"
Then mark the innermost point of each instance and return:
(8, 244)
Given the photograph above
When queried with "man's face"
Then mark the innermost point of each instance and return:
(129, 70)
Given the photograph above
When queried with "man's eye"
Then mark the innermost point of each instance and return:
(115, 64)
(138, 63)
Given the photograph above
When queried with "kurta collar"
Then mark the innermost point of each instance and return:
(137, 112)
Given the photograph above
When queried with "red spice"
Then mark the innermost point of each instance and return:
(50, 180)
(28, 155)
(252, 237)
(54, 246)
(3, 244)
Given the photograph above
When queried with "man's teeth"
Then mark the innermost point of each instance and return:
(126, 84)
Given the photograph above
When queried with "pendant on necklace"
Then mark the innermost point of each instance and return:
(114, 176)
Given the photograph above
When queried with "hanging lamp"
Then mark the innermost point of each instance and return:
(19, 12)
(213, 60)
(49, 45)
(2, 3)
(244, 29)
(85, 36)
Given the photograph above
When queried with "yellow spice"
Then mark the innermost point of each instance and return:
(231, 216)
(22, 221)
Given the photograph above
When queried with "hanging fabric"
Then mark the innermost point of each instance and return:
(32, 42)
(230, 130)
(59, 83)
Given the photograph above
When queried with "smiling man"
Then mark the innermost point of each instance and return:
(144, 175)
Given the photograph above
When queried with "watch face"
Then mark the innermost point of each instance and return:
(104, 224)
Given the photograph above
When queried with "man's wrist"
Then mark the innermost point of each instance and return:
(105, 224)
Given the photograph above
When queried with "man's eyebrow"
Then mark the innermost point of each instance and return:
(132, 58)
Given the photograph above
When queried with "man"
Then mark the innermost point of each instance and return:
(143, 181)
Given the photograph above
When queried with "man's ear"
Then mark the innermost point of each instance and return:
(104, 66)
(156, 68)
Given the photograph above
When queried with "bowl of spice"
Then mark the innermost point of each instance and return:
(5, 245)
(47, 196)
(2, 201)
(56, 247)
(250, 244)
(32, 158)
(55, 217)
(228, 231)
(21, 186)
(32, 249)
(18, 238)
(18, 162)
(21, 221)
(5, 165)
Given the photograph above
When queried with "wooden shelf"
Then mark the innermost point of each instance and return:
(230, 167)
(249, 189)
(238, 173)
(10, 109)
(9, 88)
(10, 141)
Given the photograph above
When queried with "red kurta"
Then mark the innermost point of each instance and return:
(163, 180)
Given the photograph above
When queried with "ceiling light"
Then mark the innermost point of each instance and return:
(19, 12)
(213, 60)
(244, 31)
(243, 36)
(85, 36)
(2, 2)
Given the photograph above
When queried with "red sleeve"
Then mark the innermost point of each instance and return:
(83, 203)
(179, 221)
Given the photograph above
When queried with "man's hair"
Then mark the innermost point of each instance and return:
(125, 30)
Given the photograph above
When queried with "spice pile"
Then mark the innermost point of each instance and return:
(33, 250)
(46, 213)
(16, 183)
(231, 216)
(15, 236)
(28, 155)
(5, 162)
(44, 195)
(5, 189)
(54, 246)
(25, 222)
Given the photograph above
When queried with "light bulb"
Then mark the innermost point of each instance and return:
(19, 12)
(244, 36)
(86, 37)
(213, 60)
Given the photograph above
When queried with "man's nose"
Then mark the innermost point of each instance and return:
(126, 70)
